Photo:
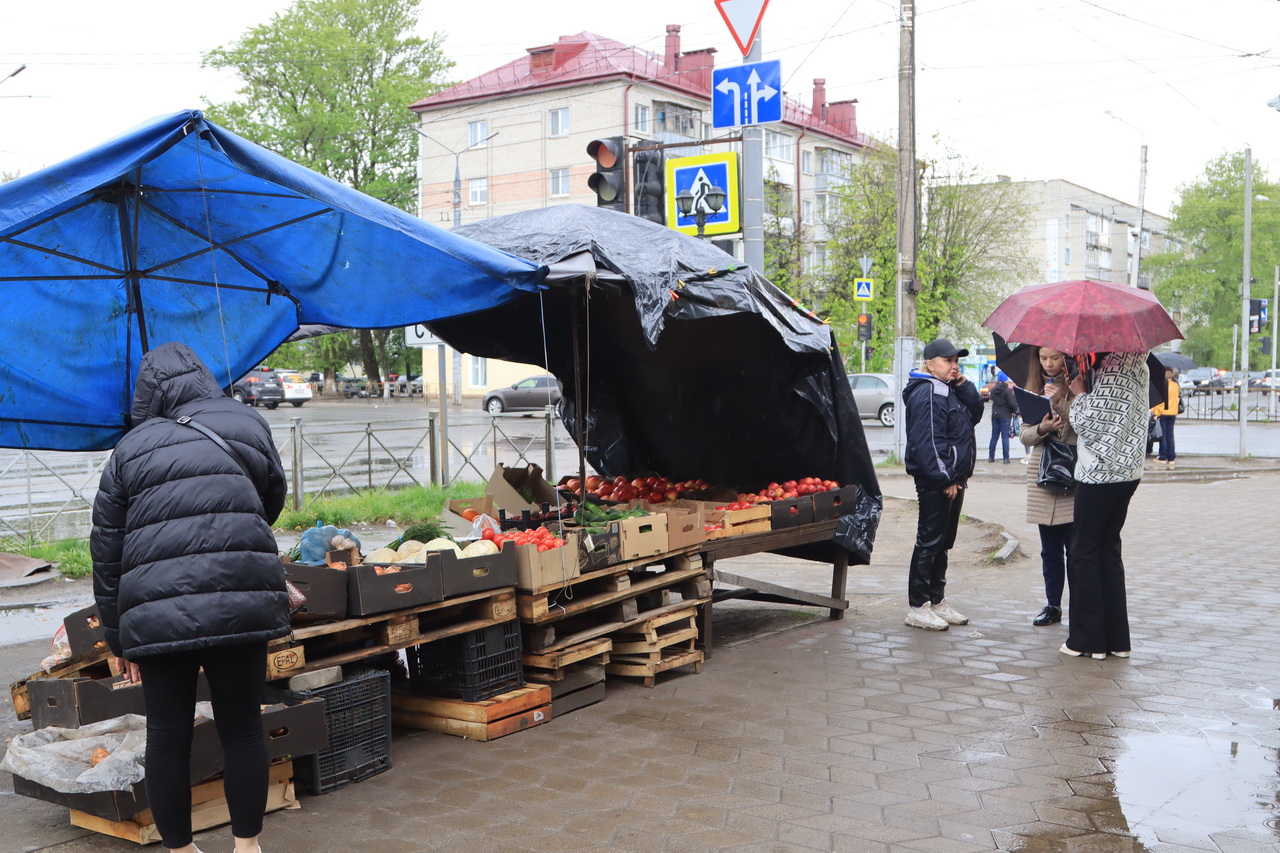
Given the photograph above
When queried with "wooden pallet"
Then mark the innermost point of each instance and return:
(554, 665)
(548, 607)
(208, 809)
(513, 711)
(651, 636)
(333, 643)
(648, 668)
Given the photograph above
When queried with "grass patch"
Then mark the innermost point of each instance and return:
(374, 506)
(71, 555)
(890, 461)
(406, 506)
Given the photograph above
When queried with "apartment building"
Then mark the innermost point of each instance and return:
(515, 138)
(1078, 233)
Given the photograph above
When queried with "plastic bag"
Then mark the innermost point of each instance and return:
(317, 542)
(61, 651)
(59, 758)
(480, 523)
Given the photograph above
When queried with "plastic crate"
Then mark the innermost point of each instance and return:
(358, 715)
(474, 666)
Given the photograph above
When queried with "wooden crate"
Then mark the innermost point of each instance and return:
(554, 665)
(651, 636)
(486, 720)
(648, 668)
(208, 809)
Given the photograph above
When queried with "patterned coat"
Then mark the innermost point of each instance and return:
(1044, 505)
(1111, 421)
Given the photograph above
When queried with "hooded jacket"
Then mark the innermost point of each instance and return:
(941, 449)
(183, 552)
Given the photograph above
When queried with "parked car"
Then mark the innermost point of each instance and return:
(296, 389)
(536, 392)
(260, 385)
(873, 392)
(356, 386)
(1196, 377)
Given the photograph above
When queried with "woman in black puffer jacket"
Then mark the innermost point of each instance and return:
(187, 575)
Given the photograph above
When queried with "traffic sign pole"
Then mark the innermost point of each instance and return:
(753, 182)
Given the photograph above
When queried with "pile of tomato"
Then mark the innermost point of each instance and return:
(543, 538)
(653, 489)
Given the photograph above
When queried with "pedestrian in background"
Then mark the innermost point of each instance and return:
(1110, 420)
(187, 575)
(1003, 407)
(1167, 414)
(1048, 507)
(942, 408)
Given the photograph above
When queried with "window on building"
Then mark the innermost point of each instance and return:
(778, 146)
(821, 198)
(1067, 259)
(558, 122)
(833, 162)
(479, 372)
(478, 190)
(642, 118)
(806, 162)
(559, 181)
(677, 120)
(806, 210)
(477, 133)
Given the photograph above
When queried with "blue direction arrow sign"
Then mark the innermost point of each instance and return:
(862, 288)
(746, 94)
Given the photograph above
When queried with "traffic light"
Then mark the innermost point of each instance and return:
(865, 327)
(650, 181)
(1265, 345)
(609, 180)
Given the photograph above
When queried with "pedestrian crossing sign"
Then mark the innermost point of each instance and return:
(862, 288)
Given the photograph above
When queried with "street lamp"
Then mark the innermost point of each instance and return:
(713, 200)
(1142, 192)
(457, 170)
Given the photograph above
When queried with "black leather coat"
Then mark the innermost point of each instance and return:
(183, 552)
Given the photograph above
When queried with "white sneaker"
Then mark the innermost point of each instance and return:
(924, 617)
(951, 617)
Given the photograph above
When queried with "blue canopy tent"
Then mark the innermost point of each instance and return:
(179, 230)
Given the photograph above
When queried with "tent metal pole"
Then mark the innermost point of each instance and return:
(576, 312)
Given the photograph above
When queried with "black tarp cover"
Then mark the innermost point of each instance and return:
(694, 364)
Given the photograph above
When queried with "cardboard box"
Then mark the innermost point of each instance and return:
(369, 592)
(464, 575)
(791, 512)
(537, 569)
(85, 631)
(835, 503)
(304, 733)
(483, 505)
(325, 589)
(75, 702)
(645, 536)
(505, 484)
(597, 550)
(685, 525)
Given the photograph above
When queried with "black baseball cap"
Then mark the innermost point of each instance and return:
(943, 348)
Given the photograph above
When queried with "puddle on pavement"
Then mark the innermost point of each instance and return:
(1190, 787)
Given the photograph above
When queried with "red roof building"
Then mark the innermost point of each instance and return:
(515, 137)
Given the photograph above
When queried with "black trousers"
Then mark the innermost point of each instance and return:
(1055, 550)
(935, 534)
(237, 677)
(1099, 617)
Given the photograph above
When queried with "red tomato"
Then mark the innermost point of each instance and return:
(488, 533)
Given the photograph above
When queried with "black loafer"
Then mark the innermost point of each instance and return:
(1049, 616)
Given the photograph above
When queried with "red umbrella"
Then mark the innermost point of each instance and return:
(1084, 316)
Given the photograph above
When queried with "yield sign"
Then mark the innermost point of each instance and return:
(743, 18)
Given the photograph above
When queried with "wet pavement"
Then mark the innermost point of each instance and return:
(805, 734)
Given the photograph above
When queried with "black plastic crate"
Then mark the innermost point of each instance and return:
(477, 665)
(358, 715)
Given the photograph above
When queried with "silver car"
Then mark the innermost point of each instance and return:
(536, 392)
(873, 392)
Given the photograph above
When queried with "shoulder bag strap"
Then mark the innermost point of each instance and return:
(187, 421)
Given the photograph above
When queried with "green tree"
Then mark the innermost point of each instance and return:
(326, 83)
(784, 242)
(1198, 277)
(970, 253)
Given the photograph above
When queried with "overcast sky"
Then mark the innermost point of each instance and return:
(1018, 87)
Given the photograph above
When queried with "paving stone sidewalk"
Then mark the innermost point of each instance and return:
(865, 735)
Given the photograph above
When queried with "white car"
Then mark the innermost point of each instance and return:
(296, 389)
(873, 392)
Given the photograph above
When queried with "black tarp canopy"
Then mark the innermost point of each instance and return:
(691, 363)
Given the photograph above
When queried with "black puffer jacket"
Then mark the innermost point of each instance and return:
(183, 553)
(941, 450)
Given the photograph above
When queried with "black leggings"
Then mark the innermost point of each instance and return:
(237, 681)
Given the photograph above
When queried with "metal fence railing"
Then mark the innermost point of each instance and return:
(47, 495)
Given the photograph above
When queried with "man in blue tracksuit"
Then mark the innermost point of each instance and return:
(942, 408)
